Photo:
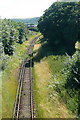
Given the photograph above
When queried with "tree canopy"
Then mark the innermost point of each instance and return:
(60, 24)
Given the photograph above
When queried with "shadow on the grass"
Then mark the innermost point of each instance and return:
(47, 49)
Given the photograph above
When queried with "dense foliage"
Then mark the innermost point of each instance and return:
(72, 84)
(60, 24)
(66, 80)
(12, 32)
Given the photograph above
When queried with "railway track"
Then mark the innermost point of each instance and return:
(23, 107)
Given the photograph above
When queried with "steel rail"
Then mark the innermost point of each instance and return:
(16, 110)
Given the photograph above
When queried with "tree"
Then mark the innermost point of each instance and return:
(22, 28)
(6, 38)
(12, 32)
(60, 24)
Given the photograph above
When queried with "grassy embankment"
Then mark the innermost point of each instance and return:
(49, 81)
(10, 77)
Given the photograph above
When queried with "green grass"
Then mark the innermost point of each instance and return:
(51, 97)
(47, 99)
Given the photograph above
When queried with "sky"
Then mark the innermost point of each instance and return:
(23, 8)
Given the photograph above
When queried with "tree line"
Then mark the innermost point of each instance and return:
(12, 32)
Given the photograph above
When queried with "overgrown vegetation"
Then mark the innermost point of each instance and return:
(66, 81)
(72, 84)
(57, 85)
